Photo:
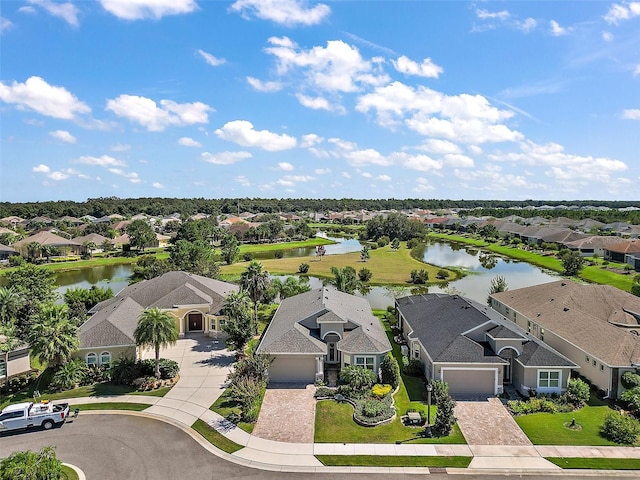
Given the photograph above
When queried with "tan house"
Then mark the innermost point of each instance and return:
(46, 238)
(322, 330)
(14, 362)
(475, 350)
(596, 326)
(194, 301)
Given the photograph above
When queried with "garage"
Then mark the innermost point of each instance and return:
(293, 369)
(470, 382)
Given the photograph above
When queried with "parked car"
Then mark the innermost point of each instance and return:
(29, 414)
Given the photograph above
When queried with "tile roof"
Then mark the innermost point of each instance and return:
(599, 319)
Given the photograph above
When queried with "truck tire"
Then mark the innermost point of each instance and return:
(47, 424)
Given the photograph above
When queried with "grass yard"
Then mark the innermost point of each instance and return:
(334, 424)
(225, 406)
(69, 473)
(597, 463)
(389, 267)
(215, 438)
(549, 429)
(272, 247)
(135, 407)
(393, 461)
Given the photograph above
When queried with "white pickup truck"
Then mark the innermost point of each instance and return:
(28, 414)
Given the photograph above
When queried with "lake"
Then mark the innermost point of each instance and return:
(480, 267)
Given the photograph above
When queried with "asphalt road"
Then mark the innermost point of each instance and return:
(121, 447)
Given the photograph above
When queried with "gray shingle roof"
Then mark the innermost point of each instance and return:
(294, 328)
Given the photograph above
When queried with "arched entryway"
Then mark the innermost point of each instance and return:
(333, 355)
(195, 322)
(508, 354)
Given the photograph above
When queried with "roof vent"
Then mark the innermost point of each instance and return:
(565, 309)
(634, 332)
(563, 284)
(552, 299)
(538, 314)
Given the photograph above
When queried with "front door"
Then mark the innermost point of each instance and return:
(195, 322)
(332, 355)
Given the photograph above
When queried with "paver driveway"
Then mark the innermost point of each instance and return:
(288, 414)
(488, 422)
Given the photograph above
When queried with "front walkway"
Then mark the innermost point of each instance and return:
(288, 414)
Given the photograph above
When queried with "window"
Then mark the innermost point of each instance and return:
(587, 359)
(3, 369)
(92, 359)
(366, 362)
(529, 326)
(105, 359)
(542, 334)
(601, 367)
(594, 363)
(416, 354)
(548, 379)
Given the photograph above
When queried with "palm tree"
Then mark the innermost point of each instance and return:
(52, 336)
(238, 326)
(10, 302)
(34, 250)
(90, 246)
(255, 282)
(345, 279)
(156, 329)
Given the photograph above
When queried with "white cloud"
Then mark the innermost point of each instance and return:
(58, 176)
(156, 117)
(366, 175)
(284, 12)
(103, 161)
(243, 133)
(322, 171)
(423, 163)
(36, 94)
(41, 169)
(210, 59)
(557, 30)
(384, 178)
(310, 140)
(527, 25)
(631, 114)
(264, 86)
(636, 70)
(120, 147)
(422, 185)
(63, 136)
(318, 103)
(426, 69)
(242, 180)
(338, 67)
(66, 11)
(157, 185)
(369, 156)
(188, 142)
(5, 25)
(619, 12)
(459, 161)
(225, 158)
(346, 175)
(141, 9)
(133, 177)
(463, 118)
(607, 36)
(486, 15)
(434, 145)
(286, 166)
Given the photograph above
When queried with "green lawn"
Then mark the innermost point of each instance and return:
(597, 463)
(215, 438)
(98, 389)
(136, 407)
(69, 473)
(226, 406)
(334, 424)
(272, 247)
(549, 428)
(393, 461)
(389, 267)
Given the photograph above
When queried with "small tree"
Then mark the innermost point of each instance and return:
(238, 325)
(390, 370)
(303, 268)
(364, 274)
(52, 336)
(572, 263)
(395, 244)
(498, 284)
(28, 465)
(156, 329)
(344, 279)
(255, 281)
(442, 274)
(320, 251)
(445, 418)
(365, 253)
(635, 288)
(141, 235)
(619, 428)
(577, 393)
(230, 248)
(419, 277)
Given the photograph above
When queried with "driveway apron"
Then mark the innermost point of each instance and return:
(287, 414)
(488, 422)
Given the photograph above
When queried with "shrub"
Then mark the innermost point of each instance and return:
(630, 380)
(413, 368)
(145, 383)
(632, 399)
(390, 371)
(358, 377)
(70, 375)
(412, 243)
(247, 257)
(577, 393)
(364, 274)
(168, 368)
(620, 428)
(445, 419)
(322, 392)
(303, 268)
(383, 241)
(442, 274)
(419, 277)
(440, 389)
(371, 412)
(533, 405)
(278, 254)
(247, 392)
(16, 260)
(125, 370)
(345, 390)
(379, 390)
(32, 465)
(373, 408)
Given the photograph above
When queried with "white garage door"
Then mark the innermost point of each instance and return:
(293, 369)
(470, 382)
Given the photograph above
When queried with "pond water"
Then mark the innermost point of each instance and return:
(480, 266)
(342, 245)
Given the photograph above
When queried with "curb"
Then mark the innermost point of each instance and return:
(81, 475)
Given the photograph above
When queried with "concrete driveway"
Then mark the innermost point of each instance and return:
(204, 365)
(287, 414)
(488, 422)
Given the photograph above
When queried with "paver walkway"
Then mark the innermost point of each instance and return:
(287, 414)
(489, 423)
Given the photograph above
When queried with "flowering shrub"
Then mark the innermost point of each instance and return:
(380, 391)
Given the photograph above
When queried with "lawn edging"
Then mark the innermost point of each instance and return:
(215, 438)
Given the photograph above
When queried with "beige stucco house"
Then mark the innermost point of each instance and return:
(596, 326)
(319, 330)
(194, 301)
(475, 350)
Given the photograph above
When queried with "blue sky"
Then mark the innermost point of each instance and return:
(288, 98)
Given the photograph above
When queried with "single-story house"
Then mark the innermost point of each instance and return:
(46, 238)
(321, 330)
(595, 326)
(6, 252)
(14, 362)
(475, 350)
(194, 301)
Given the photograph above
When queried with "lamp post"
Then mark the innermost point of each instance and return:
(429, 390)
